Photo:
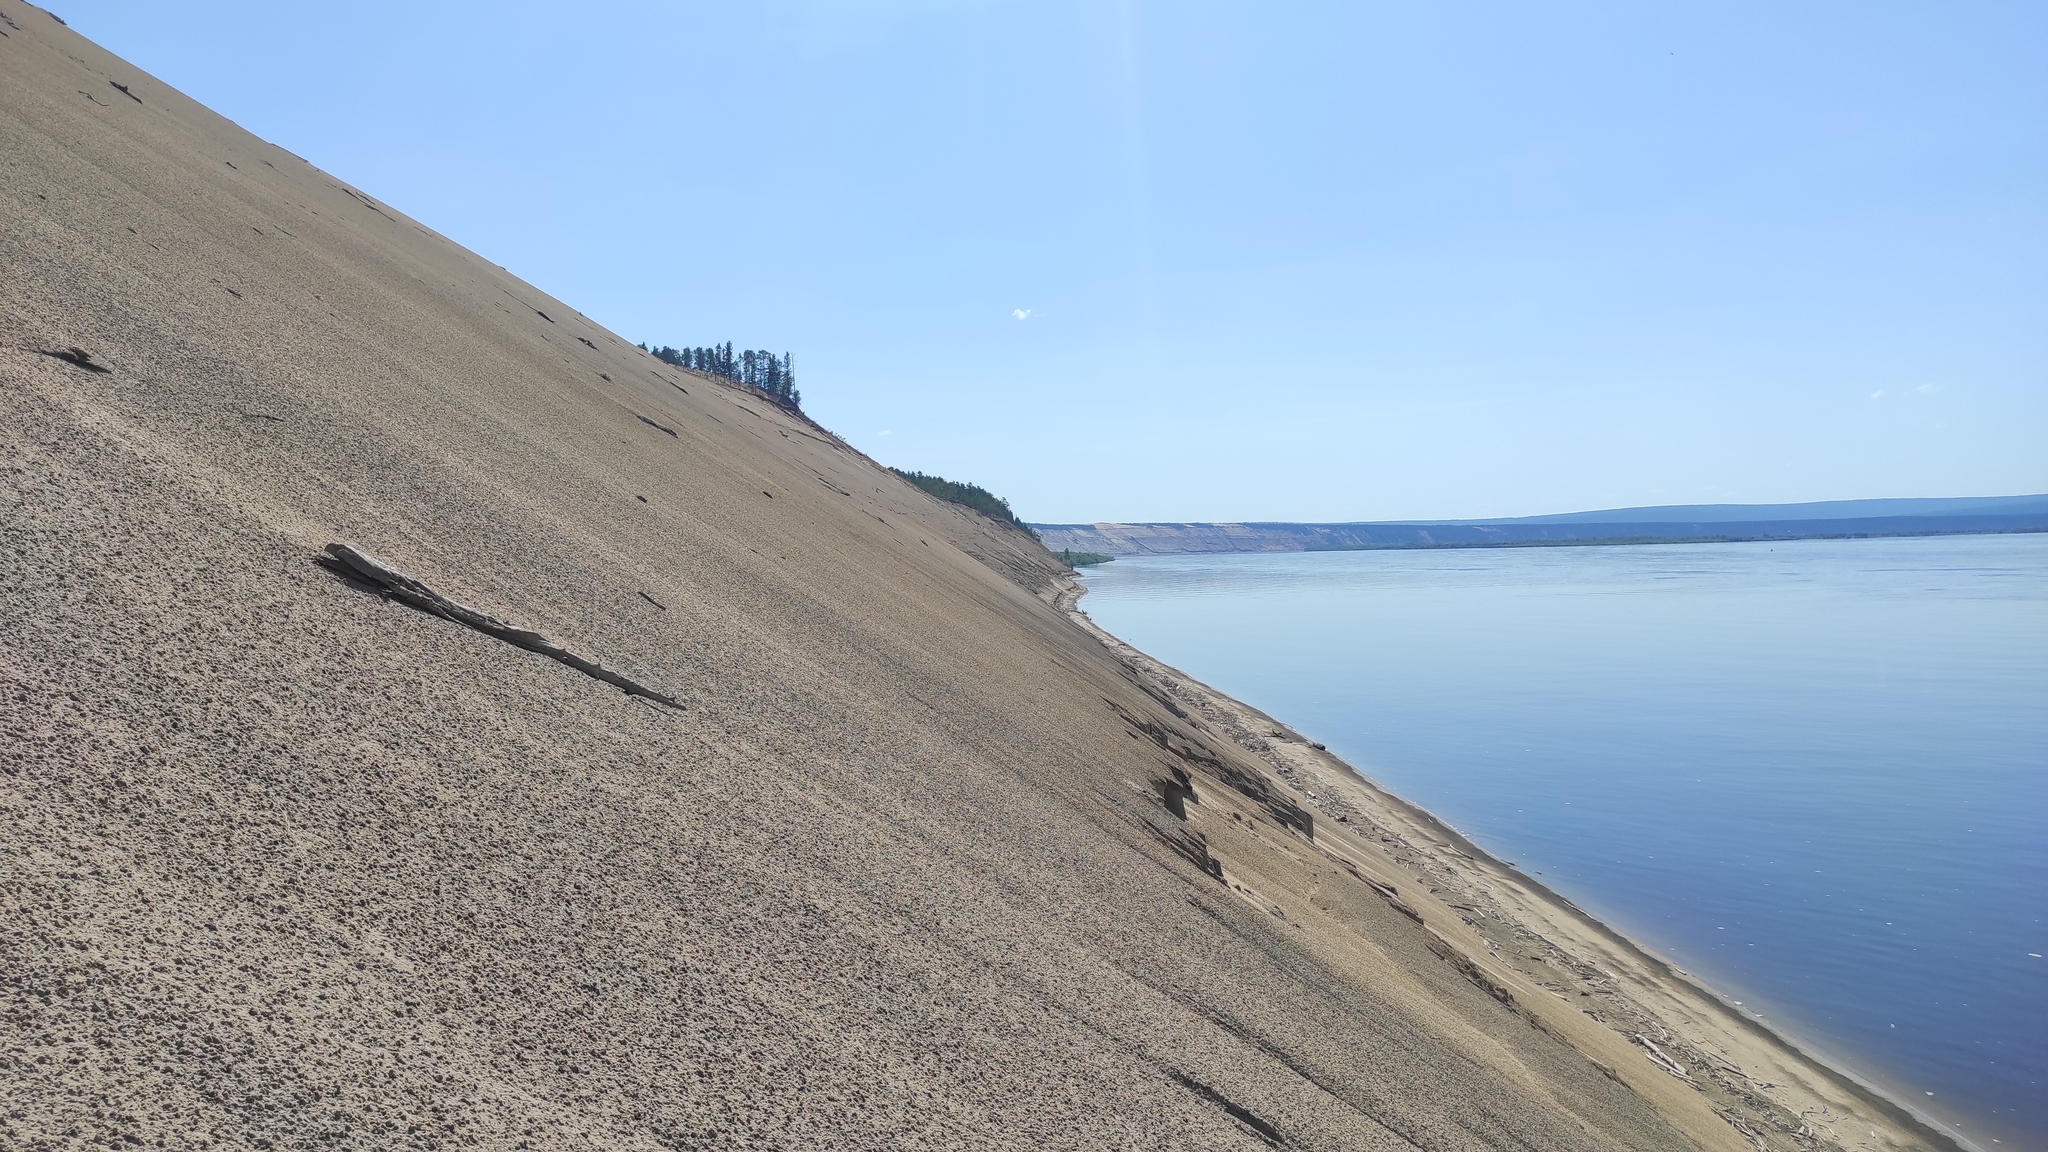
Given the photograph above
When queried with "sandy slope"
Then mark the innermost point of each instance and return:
(289, 864)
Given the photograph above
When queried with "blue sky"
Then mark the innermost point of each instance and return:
(1218, 261)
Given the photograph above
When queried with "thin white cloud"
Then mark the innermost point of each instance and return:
(1924, 388)
(1021, 313)
(1877, 395)
(886, 432)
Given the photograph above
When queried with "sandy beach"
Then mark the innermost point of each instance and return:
(429, 721)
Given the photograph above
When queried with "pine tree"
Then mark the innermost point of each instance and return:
(756, 368)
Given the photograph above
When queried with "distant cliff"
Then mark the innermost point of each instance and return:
(2018, 515)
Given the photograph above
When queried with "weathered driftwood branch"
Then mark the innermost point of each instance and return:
(399, 586)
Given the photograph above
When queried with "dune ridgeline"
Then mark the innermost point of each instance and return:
(429, 721)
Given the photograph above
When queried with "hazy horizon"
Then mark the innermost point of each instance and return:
(1147, 262)
(1822, 509)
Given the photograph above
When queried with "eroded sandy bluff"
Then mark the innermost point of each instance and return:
(920, 861)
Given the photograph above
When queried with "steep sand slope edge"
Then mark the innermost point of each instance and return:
(289, 863)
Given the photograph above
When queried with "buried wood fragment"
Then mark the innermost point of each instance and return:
(1266, 1130)
(76, 356)
(657, 426)
(368, 569)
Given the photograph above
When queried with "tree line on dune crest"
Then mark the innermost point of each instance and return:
(970, 496)
(775, 378)
(760, 370)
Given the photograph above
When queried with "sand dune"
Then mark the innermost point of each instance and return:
(917, 862)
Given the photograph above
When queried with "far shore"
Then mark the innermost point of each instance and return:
(1624, 541)
(1151, 539)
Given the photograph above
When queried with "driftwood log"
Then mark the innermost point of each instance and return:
(397, 585)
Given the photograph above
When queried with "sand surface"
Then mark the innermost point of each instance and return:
(919, 863)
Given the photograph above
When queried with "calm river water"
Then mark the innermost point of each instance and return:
(1814, 773)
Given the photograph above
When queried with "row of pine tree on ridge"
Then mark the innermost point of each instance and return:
(760, 370)
(776, 378)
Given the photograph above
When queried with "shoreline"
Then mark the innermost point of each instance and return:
(1756, 1076)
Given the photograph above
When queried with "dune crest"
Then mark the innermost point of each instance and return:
(922, 861)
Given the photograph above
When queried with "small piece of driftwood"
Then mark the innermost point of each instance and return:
(399, 586)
